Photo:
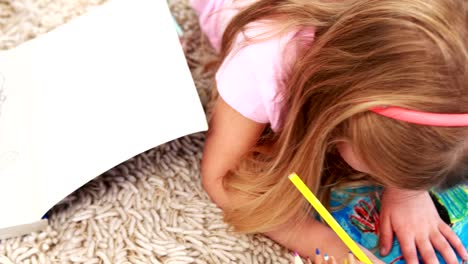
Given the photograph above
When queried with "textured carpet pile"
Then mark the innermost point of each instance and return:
(150, 209)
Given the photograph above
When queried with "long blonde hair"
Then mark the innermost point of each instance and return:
(406, 53)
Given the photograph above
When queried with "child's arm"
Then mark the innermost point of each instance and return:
(229, 137)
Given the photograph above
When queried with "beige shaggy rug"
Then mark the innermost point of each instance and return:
(150, 209)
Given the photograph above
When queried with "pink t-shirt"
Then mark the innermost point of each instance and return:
(249, 79)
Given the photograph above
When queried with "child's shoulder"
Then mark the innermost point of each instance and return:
(250, 78)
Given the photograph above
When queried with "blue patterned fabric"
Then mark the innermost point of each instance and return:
(357, 211)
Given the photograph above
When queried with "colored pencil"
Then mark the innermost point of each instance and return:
(318, 206)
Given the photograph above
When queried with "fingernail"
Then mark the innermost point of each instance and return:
(383, 251)
(295, 254)
(325, 257)
(317, 251)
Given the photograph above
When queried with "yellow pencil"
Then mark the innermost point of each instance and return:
(329, 218)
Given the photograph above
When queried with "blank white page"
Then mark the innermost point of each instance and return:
(87, 96)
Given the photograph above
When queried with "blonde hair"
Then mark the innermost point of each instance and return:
(406, 53)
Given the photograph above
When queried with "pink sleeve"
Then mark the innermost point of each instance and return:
(239, 83)
(250, 78)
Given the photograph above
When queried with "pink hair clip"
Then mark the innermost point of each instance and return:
(422, 118)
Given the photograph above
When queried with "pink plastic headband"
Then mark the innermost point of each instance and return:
(422, 118)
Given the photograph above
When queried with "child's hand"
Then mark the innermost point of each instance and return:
(347, 259)
(412, 216)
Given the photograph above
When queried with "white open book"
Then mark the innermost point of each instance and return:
(85, 97)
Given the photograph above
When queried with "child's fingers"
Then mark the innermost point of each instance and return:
(350, 259)
(408, 248)
(454, 240)
(440, 243)
(385, 236)
(318, 259)
(426, 249)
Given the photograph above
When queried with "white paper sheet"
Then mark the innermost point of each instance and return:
(87, 96)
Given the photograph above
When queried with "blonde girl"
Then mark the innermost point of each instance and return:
(338, 91)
